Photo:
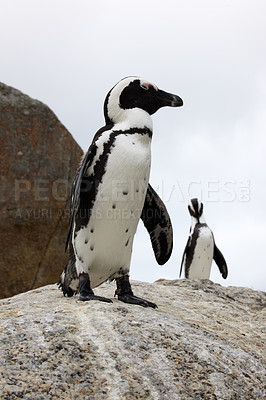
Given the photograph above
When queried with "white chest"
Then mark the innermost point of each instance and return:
(203, 254)
(127, 168)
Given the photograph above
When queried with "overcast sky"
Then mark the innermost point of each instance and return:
(212, 53)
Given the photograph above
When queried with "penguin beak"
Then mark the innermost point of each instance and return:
(168, 99)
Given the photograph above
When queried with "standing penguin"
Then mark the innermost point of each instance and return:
(201, 247)
(111, 192)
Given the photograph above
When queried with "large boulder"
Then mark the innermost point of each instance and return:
(204, 341)
(38, 160)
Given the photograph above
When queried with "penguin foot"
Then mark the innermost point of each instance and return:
(125, 294)
(86, 293)
(131, 299)
(89, 296)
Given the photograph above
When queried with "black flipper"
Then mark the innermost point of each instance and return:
(157, 222)
(76, 195)
(183, 257)
(86, 162)
(220, 261)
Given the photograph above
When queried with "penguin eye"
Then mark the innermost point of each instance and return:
(145, 86)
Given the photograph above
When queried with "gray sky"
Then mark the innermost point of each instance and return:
(69, 53)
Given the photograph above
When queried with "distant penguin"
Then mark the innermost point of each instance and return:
(201, 248)
(111, 192)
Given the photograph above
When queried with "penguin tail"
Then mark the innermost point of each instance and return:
(69, 283)
(66, 289)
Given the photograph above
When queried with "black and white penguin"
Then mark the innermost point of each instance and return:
(111, 192)
(201, 248)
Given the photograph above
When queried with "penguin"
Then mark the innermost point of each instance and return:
(200, 249)
(111, 193)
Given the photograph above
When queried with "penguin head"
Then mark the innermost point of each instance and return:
(132, 94)
(195, 208)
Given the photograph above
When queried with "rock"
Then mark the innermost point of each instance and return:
(38, 160)
(204, 341)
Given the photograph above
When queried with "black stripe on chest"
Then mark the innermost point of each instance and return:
(90, 184)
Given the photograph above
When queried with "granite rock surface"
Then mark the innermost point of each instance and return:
(204, 341)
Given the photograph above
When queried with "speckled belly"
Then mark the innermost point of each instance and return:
(105, 244)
